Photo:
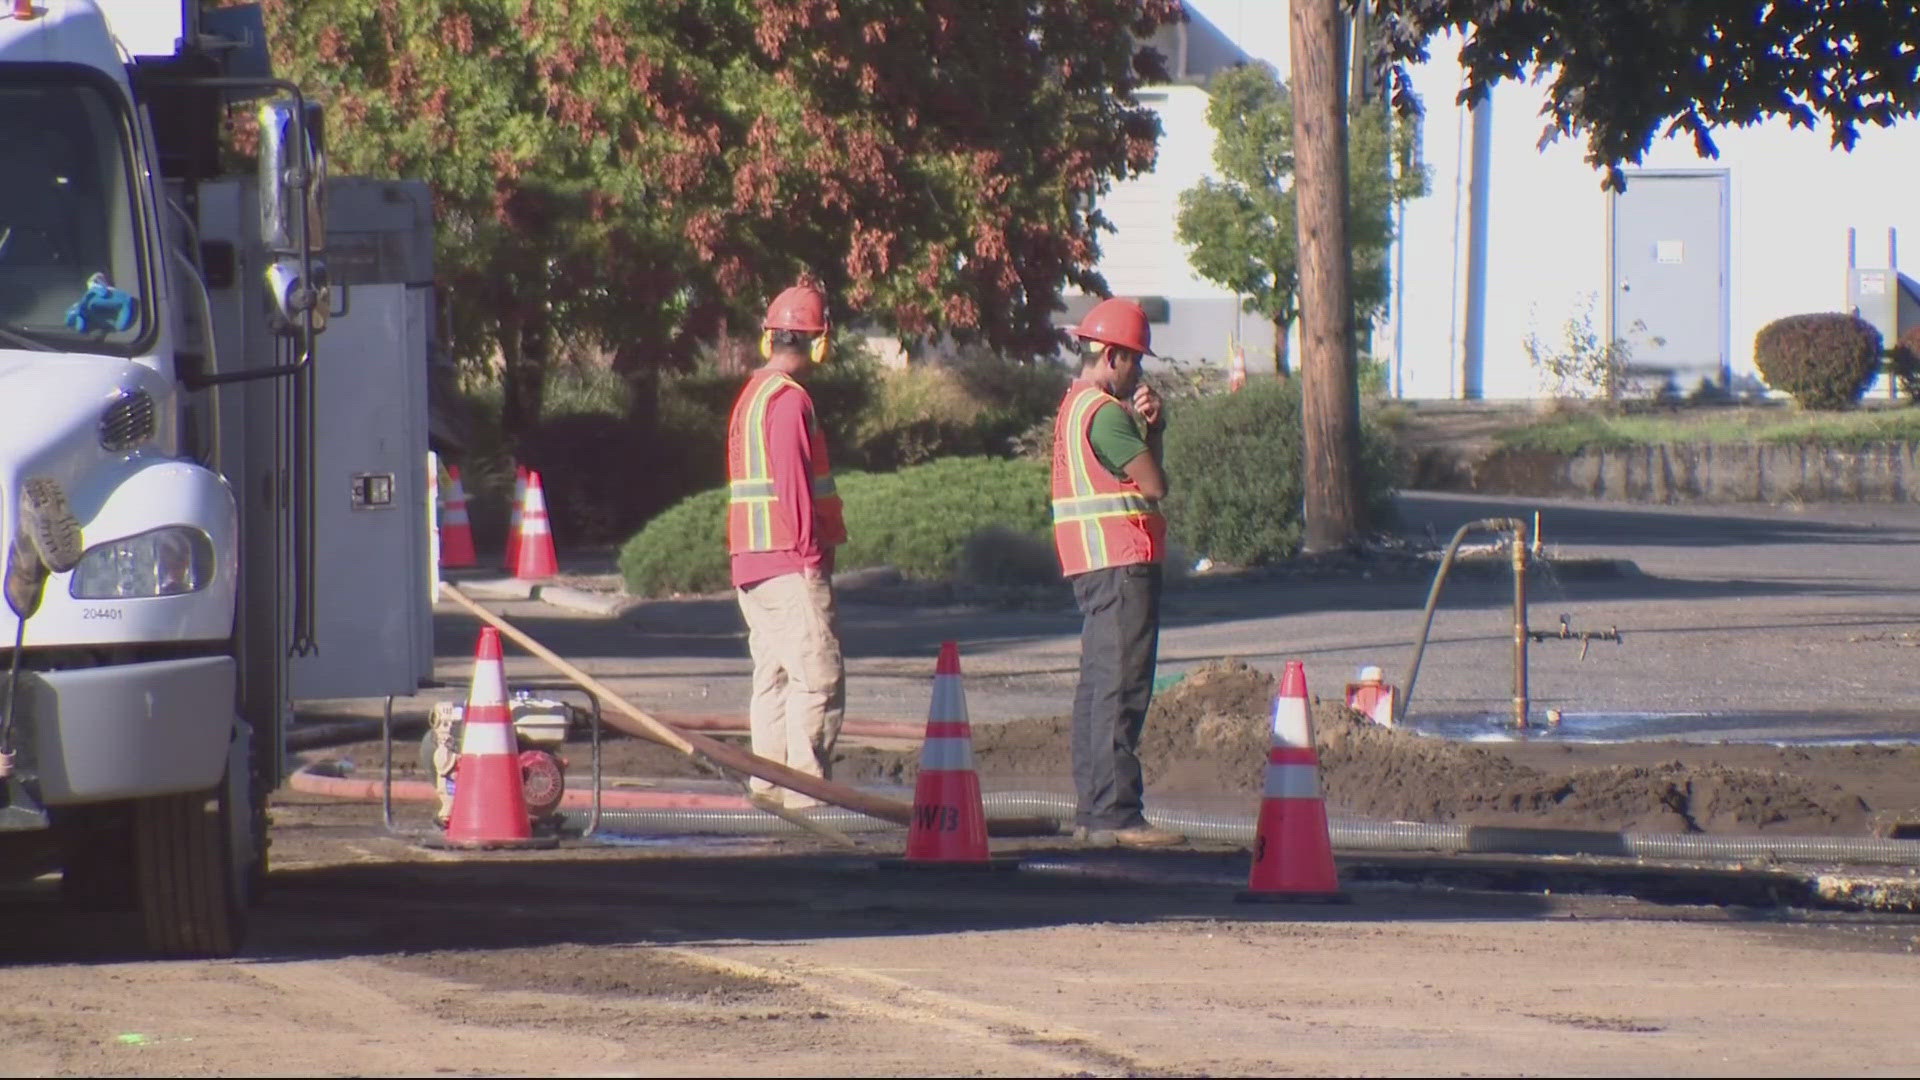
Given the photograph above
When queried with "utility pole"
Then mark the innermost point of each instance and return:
(1330, 397)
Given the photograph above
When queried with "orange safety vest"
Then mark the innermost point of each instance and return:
(752, 524)
(1098, 519)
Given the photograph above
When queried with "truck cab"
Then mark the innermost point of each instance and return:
(180, 467)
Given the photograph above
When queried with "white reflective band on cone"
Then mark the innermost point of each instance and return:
(489, 686)
(1290, 723)
(486, 740)
(1292, 782)
(946, 755)
(949, 700)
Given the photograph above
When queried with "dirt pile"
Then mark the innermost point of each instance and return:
(1208, 734)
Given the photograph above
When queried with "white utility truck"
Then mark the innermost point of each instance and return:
(203, 515)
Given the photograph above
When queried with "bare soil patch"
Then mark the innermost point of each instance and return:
(628, 971)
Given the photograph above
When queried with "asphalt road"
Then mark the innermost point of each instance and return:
(1736, 622)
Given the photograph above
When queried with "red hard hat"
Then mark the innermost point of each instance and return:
(1117, 322)
(802, 308)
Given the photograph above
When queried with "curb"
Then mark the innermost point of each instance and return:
(566, 596)
(494, 588)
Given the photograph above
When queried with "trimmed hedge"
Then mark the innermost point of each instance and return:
(918, 520)
(1234, 473)
(1824, 360)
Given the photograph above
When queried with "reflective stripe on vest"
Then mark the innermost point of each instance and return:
(1099, 520)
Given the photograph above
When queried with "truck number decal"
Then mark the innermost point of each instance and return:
(92, 613)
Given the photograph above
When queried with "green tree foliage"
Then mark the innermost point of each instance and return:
(1242, 228)
(645, 173)
(1623, 72)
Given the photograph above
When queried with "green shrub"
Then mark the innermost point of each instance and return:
(682, 550)
(1904, 361)
(919, 520)
(1234, 479)
(1824, 360)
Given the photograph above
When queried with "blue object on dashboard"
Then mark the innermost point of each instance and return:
(102, 307)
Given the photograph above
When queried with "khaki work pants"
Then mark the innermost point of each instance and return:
(799, 677)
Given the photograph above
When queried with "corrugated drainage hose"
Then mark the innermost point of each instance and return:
(1347, 834)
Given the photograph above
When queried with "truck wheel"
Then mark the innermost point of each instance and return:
(191, 894)
(96, 858)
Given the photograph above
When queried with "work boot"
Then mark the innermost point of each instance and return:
(1147, 836)
(47, 523)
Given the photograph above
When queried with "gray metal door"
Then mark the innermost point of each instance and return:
(370, 452)
(1669, 258)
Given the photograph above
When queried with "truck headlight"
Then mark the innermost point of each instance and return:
(165, 562)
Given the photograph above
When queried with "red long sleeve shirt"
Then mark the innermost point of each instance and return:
(790, 455)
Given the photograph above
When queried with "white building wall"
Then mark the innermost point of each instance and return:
(1792, 199)
(1143, 257)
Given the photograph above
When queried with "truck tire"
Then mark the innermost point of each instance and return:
(96, 858)
(191, 897)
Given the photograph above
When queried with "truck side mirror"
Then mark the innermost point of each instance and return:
(282, 167)
(293, 228)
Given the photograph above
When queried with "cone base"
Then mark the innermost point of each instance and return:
(531, 843)
(972, 865)
(1247, 897)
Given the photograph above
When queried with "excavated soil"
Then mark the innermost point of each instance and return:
(1208, 734)
(1206, 738)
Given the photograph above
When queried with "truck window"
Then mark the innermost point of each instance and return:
(68, 215)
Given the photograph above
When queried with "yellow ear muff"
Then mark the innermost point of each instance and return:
(819, 351)
(766, 345)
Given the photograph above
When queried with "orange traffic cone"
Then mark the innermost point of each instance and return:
(949, 827)
(1292, 851)
(533, 557)
(512, 558)
(489, 805)
(1237, 366)
(456, 534)
(1373, 697)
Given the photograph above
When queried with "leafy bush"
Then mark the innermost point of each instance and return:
(587, 464)
(919, 520)
(1824, 360)
(1234, 473)
(976, 404)
(876, 420)
(576, 398)
(1904, 360)
(1581, 365)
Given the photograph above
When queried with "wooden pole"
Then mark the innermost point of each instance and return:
(633, 720)
(1330, 396)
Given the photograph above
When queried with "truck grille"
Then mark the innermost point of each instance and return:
(127, 422)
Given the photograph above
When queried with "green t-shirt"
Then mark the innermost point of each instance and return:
(1116, 438)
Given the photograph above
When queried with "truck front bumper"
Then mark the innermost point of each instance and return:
(125, 731)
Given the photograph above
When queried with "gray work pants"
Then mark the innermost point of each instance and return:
(1119, 642)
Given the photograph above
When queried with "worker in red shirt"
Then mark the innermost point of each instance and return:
(783, 522)
(1111, 538)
